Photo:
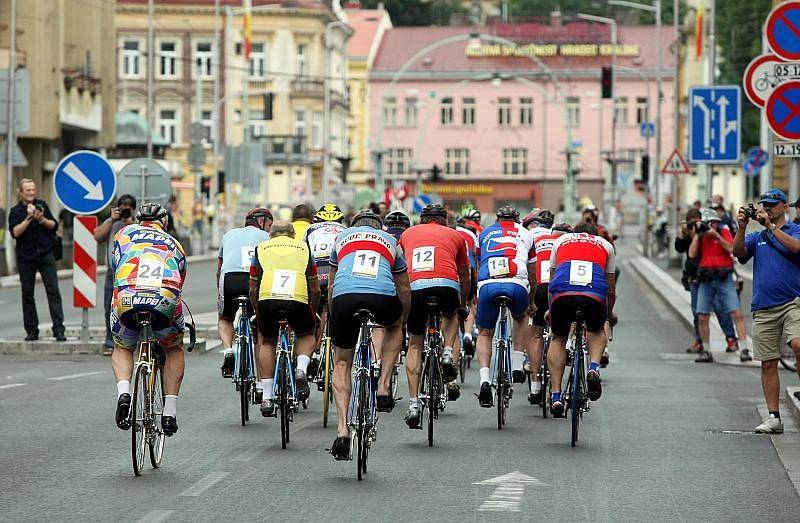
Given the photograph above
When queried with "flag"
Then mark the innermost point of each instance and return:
(247, 4)
(699, 31)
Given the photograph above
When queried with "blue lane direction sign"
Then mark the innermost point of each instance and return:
(715, 115)
(647, 129)
(84, 182)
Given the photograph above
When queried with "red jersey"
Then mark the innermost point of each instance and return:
(434, 253)
(712, 255)
(543, 240)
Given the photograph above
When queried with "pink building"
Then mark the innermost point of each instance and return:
(490, 116)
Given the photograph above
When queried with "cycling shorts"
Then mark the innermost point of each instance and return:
(541, 300)
(344, 327)
(418, 315)
(299, 316)
(562, 313)
(488, 311)
(473, 285)
(164, 303)
(231, 286)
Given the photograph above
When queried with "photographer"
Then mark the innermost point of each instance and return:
(121, 215)
(776, 287)
(683, 241)
(716, 291)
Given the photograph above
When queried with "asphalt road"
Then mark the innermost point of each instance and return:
(653, 448)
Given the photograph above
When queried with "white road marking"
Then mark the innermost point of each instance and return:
(12, 385)
(249, 454)
(156, 516)
(204, 484)
(510, 490)
(73, 376)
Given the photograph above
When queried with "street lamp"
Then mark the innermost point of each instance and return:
(609, 196)
(326, 121)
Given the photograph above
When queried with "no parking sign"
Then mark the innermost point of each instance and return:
(783, 111)
(783, 30)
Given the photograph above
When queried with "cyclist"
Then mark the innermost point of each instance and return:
(302, 217)
(438, 267)
(472, 220)
(471, 240)
(368, 271)
(581, 274)
(149, 269)
(396, 222)
(283, 277)
(233, 275)
(506, 250)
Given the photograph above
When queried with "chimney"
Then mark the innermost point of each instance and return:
(555, 19)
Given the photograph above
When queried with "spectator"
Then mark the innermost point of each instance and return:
(197, 217)
(724, 215)
(713, 243)
(32, 224)
(776, 287)
(302, 216)
(172, 230)
(796, 205)
(121, 215)
(698, 205)
(688, 230)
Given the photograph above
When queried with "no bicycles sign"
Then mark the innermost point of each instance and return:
(760, 78)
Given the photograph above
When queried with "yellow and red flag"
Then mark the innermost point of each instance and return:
(699, 31)
(247, 6)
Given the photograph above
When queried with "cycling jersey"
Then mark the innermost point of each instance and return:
(300, 228)
(396, 232)
(472, 242)
(366, 259)
(434, 254)
(543, 240)
(581, 263)
(284, 266)
(474, 226)
(320, 238)
(146, 257)
(505, 248)
(237, 248)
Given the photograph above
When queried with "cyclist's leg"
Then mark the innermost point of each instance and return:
(224, 321)
(415, 323)
(344, 336)
(561, 318)
(122, 365)
(378, 335)
(390, 315)
(265, 348)
(302, 319)
(486, 317)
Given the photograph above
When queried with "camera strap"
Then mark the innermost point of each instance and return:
(793, 258)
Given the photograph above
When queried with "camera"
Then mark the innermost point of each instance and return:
(750, 211)
(125, 214)
(39, 207)
(703, 227)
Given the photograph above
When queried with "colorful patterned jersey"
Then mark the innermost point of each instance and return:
(146, 257)
(366, 260)
(581, 263)
(505, 249)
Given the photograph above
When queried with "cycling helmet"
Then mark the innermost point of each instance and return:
(545, 217)
(397, 219)
(366, 215)
(563, 227)
(151, 212)
(473, 215)
(460, 220)
(435, 211)
(507, 212)
(256, 213)
(530, 218)
(330, 212)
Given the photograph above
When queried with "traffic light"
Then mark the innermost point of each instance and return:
(607, 82)
(436, 173)
(645, 168)
(205, 186)
(268, 98)
(220, 182)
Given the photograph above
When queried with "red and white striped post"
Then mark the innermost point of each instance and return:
(84, 269)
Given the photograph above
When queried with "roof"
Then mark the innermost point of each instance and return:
(365, 24)
(402, 43)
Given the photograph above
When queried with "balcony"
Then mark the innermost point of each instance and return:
(81, 101)
(307, 87)
(287, 149)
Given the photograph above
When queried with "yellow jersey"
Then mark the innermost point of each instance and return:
(300, 228)
(284, 266)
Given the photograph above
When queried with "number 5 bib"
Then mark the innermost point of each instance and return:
(580, 273)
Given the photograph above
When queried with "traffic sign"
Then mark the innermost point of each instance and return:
(675, 164)
(783, 110)
(754, 161)
(759, 78)
(197, 132)
(146, 180)
(84, 182)
(783, 30)
(84, 262)
(786, 149)
(22, 101)
(715, 114)
(647, 129)
(420, 201)
(196, 156)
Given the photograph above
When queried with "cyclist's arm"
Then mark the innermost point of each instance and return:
(331, 278)
(464, 275)
(611, 294)
(219, 269)
(255, 281)
(403, 287)
(313, 283)
(531, 282)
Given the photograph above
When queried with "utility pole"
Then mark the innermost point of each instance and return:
(712, 75)
(657, 174)
(150, 74)
(326, 121)
(10, 138)
(215, 134)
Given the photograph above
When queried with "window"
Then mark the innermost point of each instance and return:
(621, 110)
(642, 110)
(446, 111)
(389, 111)
(573, 111)
(205, 119)
(168, 59)
(526, 112)
(468, 111)
(515, 161)
(258, 127)
(203, 59)
(301, 59)
(168, 125)
(299, 123)
(411, 112)
(398, 161)
(316, 130)
(504, 112)
(131, 61)
(258, 60)
(457, 161)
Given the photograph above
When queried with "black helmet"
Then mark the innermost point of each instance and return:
(434, 210)
(256, 213)
(545, 217)
(365, 215)
(460, 220)
(397, 219)
(151, 212)
(473, 215)
(507, 212)
(563, 227)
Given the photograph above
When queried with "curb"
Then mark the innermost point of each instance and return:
(73, 346)
(793, 403)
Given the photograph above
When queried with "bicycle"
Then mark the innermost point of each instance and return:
(467, 352)
(787, 357)
(576, 398)
(432, 392)
(543, 374)
(147, 398)
(244, 374)
(284, 388)
(362, 417)
(324, 377)
(501, 361)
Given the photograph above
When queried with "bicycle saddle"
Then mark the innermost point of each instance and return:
(499, 300)
(363, 313)
(432, 302)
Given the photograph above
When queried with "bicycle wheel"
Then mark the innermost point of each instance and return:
(499, 391)
(575, 397)
(433, 399)
(244, 379)
(157, 438)
(283, 395)
(544, 396)
(361, 417)
(327, 396)
(462, 367)
(788, 358)
(139, 419)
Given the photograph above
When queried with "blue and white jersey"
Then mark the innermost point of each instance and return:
(366, 260)
(238, 246)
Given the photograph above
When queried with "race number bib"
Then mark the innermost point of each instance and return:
(283, 283)
(247, 257)
(365, 264)
(423, 259)
(580, 273)
(150, 274)
(544, 267)
(498, 267)
(321, 250)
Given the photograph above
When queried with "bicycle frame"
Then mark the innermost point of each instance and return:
(501, 342)
(362, 365)
(283, 353)
(242, 331)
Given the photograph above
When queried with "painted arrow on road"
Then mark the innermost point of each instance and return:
(509, 492)
(94, 191)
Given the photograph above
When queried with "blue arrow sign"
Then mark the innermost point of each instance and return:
(647, 129)
(420, 202)
(715, 114)
(84, 182)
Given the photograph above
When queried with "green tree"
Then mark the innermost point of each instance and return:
(595, 7)
(418, 12)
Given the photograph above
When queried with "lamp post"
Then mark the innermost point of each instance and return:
(326, 120)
